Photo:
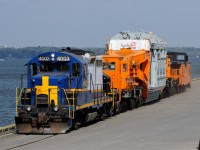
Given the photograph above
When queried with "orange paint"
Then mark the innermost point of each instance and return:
(179, 72)
(128, 69)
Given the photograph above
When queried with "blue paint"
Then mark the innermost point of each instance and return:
(61, 79)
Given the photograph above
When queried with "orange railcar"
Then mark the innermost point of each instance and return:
(137, 69)
(178, 73)
(128, 71)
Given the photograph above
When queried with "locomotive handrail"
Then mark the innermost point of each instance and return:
(18, 96)
(96, 93)
(73, 92)
(69, 82)
(69, 111)
(73, 103)
(113, 98)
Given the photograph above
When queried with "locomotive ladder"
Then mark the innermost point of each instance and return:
(69, 104)
(113, 94)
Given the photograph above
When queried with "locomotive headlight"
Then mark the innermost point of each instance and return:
(28, 108)
(56, 108)
(52, 55)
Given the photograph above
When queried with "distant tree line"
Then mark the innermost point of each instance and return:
(29, 52)
(26, 52)
(191, 51)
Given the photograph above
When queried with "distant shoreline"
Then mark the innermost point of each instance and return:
(29, 52)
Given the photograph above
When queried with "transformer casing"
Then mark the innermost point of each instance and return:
(157, 48)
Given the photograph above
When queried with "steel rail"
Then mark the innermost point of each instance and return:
(28, 143)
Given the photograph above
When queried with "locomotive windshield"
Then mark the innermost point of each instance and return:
(62, 67)
(49, 67)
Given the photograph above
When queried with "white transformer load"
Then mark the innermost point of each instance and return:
(149, 42)
(94, 68)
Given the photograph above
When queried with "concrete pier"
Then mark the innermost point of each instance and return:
(170, 124)
(7, 128)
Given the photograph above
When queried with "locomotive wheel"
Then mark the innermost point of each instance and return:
(76, 126)
(103, 117)
(76, 123)
(109, 112)
(102, 113)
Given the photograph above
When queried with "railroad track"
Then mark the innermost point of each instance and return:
(19, 140)
(28, 143)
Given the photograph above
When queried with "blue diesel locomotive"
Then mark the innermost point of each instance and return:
(64, 90)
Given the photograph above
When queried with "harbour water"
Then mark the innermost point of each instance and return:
(10, 74)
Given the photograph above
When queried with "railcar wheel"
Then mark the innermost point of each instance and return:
(178, 90)
(102, 113)
(184, 88)
(117, 109)
(132, 104)
(137, 102)
(124, 107)
(109, 112)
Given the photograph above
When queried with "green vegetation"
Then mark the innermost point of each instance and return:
(29, 52)
(26, 52)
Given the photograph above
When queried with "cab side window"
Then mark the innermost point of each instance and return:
(75, 69)
(84, 71)
(33, 69)
(109, 66)
(98, 63)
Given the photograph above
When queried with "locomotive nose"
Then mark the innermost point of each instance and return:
(46, 93)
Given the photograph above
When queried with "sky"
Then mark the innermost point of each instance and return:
(90, 23)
